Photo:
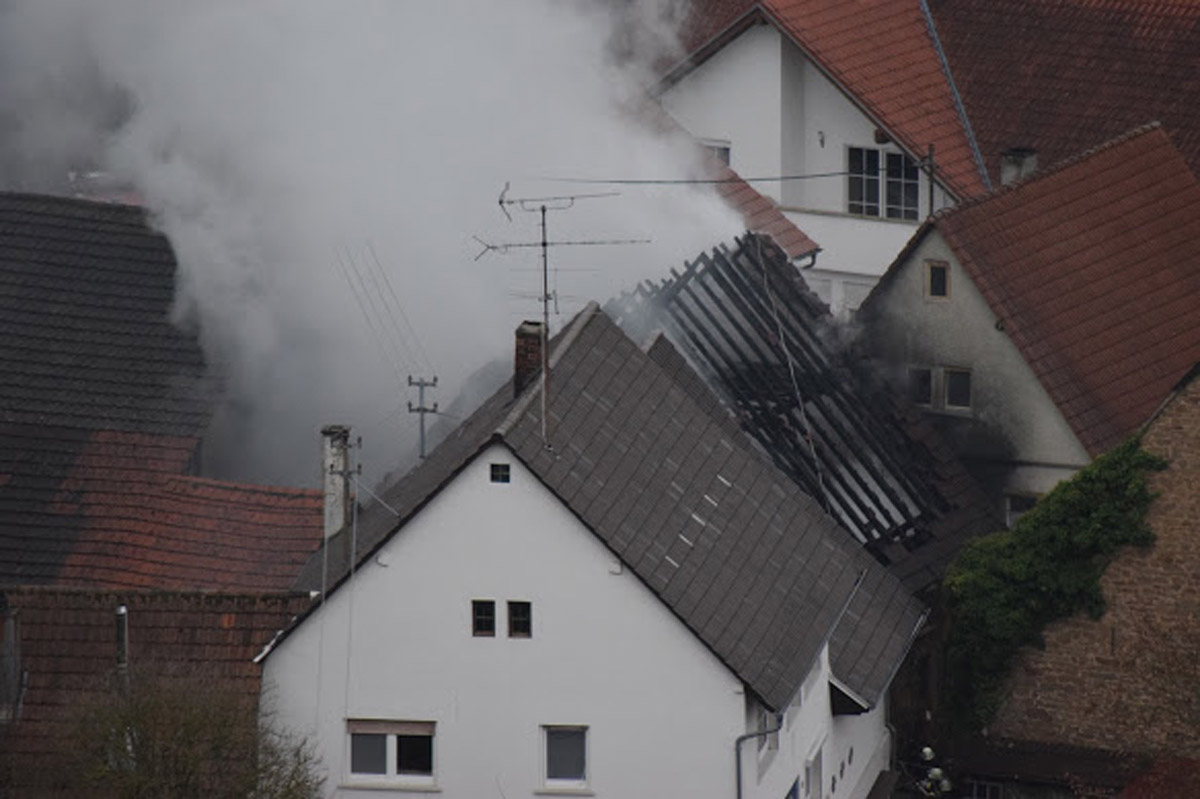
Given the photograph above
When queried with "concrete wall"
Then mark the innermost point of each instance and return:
(396, 644)
(1130, 681)
(1013, 438)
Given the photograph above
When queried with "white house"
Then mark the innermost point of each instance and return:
(621, 599)
(1044, 324)
(845, 102)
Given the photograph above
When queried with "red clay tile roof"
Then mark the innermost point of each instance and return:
(761, 215)
(1094, 270)
(109, 509)
(68, 649)
(1061, 76)
(880, 51)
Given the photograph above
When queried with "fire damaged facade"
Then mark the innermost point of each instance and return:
(1042, 325)
(745, 318)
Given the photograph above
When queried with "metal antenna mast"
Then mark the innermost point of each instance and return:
(421, 384)
(540, 205)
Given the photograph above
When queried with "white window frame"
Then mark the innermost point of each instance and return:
(392, 778)
(880, 178)
(560, 784)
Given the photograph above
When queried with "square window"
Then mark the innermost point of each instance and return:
(391, 752)
(520, 620)
(566, 755)
(937, 279)
(501, 473)
(368, 753)
(483, 618)
(920, 386)
(958, 388)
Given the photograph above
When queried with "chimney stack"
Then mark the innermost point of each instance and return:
(1017, 163)
(335, 464)
(528, 359)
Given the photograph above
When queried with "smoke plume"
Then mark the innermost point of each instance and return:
(322, 170)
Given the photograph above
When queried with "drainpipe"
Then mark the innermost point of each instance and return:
(737, 747)
(122, 619)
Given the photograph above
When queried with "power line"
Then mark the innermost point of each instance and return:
(696, 181)
(400, 307)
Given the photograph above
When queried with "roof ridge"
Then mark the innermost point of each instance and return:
(565, 339)
(77, 201)
(1057, 168)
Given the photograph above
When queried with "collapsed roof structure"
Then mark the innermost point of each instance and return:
(745, 318)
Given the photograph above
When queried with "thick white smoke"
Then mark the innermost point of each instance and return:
(285, 146)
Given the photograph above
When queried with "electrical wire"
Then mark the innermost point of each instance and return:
(400, 307)
(359, 300)
(696, 181)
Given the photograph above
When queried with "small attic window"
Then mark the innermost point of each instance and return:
(501, 473)
(937, 280)
(720, 149)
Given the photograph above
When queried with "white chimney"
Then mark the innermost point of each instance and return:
(335, 464)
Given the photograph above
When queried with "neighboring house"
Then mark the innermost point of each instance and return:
(1125, 686)
(1042, 80)
(64, 655)
(1042, 324)
(103, 408)
(747, 321)
(618, 598)
(850, 99)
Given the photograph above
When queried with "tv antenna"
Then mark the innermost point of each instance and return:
(540, 206)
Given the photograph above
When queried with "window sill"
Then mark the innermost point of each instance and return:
(394, 787)
(564, 791)
(796, 209)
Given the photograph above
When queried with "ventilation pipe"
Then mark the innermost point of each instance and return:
(335, 464)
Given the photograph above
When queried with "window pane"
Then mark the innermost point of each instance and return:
(500, 473)
(958, 389)
(872, 161)
(483, 617)
(938, 281)
(368, 753)
(856, 160)
(520, 619)
(565, 753)
(414, 754)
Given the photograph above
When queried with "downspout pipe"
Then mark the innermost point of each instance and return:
(737, 748)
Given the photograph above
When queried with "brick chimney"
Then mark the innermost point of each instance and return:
(335, 462)
(528, 359)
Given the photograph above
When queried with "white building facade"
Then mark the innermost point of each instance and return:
(777, 113)
(494, 646)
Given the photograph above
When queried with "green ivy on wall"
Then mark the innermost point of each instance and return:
(1004, 588)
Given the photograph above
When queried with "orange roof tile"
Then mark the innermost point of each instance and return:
(1060, 76)
(112, 509)
(1094, 270)
(881, 52)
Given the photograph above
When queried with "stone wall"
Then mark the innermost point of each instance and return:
(1130, 681)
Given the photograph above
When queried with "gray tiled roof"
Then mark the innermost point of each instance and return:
(643, 456)
(86, 341)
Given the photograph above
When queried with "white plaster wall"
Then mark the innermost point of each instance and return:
(809, 726)
(735, 96)
(1006, 392)
(396, 644)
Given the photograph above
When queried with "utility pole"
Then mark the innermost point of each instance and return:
(540, 205)
(421, 384)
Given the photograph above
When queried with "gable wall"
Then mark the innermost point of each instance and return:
(662, 711)
(735, 96)
(1130, 681)
(1014, 439)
